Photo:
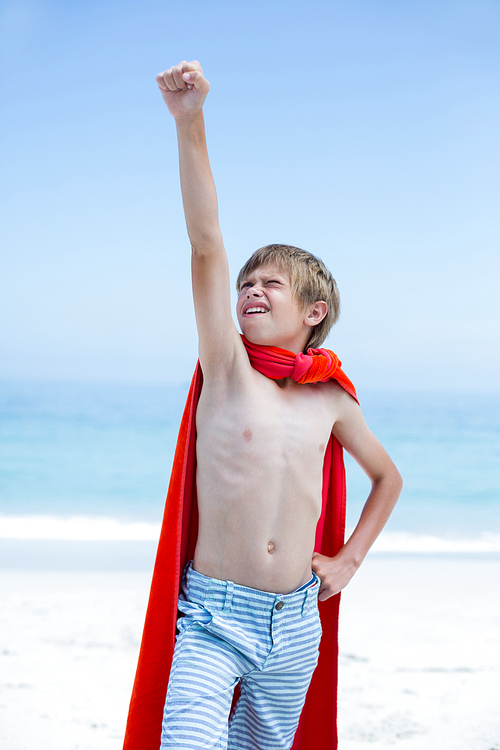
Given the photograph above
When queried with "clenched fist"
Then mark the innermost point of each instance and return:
(183, 88)
(333, 572)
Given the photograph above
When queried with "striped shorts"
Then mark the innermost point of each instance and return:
(230, 634)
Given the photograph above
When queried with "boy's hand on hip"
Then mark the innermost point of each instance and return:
(334, 572)
(183, 88)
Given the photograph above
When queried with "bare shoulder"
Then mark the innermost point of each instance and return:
(349, 420)
(226, 368)
(341, 404)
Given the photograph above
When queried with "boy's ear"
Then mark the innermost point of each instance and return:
(316, 313)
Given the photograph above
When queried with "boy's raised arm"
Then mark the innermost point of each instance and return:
(184, 88)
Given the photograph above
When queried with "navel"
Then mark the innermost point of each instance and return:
(247, 435)
(270, 547)
(322, 448)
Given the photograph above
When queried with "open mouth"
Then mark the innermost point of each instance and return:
(255, 311)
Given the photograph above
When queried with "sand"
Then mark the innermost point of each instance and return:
(419, 664)
(420, 655)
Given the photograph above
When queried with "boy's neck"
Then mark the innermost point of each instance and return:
(288, 346)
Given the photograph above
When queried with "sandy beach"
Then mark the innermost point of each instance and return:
(419, 664)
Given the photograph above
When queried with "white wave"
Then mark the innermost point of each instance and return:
(408, 542)
(77, 528)
(102, 528)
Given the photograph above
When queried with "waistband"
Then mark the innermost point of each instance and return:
(227, 595)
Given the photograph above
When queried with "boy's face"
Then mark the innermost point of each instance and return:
(267, 311)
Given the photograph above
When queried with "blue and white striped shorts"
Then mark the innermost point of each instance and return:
(230, 634)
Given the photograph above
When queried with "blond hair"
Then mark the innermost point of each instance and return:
(311, 281)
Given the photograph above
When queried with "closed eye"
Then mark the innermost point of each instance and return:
(266, 282)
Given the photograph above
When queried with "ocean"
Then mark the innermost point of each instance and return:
(92, 462)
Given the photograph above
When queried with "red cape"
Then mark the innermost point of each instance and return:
(317, 729)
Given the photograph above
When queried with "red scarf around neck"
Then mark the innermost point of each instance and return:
(316, 366)
(317, 729)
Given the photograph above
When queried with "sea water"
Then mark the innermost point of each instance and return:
(89, 461)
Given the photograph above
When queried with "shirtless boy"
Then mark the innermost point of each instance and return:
(260, 450)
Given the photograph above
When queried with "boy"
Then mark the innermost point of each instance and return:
(265, 419)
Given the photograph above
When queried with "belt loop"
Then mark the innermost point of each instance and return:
(229, 596)
(304, 603)
(185, 572)
(308, 594)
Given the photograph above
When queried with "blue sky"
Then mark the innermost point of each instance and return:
(366, 132)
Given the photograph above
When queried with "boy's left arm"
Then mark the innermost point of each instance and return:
(351, 431)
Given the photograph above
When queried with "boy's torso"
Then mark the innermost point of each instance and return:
(260, 452)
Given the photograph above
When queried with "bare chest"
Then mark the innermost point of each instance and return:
(266, 422)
